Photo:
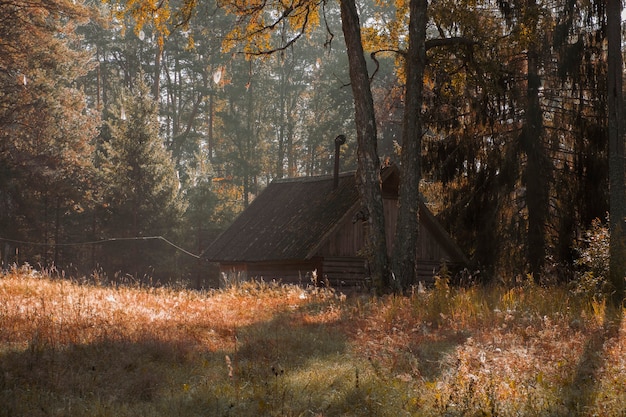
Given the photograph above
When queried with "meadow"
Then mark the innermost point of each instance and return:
(80, 348)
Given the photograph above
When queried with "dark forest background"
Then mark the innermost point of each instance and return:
(107, 131)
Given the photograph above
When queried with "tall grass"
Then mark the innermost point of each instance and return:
(70, 348)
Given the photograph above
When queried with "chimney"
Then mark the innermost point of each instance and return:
(339, 140)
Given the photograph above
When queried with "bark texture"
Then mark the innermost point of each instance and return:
(617, 200)
(537, 165)
(405, 242)
(368, 169)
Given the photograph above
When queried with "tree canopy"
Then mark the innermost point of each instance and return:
(496, 112)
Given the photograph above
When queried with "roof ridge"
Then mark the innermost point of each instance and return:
(312, 178)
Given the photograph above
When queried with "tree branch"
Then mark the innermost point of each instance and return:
(273, 25)
(373, 56)
(457, 40)
(329, 33)
(431, 43)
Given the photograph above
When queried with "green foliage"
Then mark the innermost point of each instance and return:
(46, 128)
(141, 193)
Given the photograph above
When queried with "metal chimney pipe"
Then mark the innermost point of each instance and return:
(339, 140)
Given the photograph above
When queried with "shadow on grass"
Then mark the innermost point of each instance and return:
(580, 395)
(76, 380)
(299, 362)
(431, 353)
(311, 369)
(170, 376)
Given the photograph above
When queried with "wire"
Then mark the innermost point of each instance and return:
(96, 242)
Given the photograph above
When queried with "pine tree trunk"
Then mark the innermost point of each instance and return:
(405, 242)
(617, 200)
(536, 162)
(368, 169)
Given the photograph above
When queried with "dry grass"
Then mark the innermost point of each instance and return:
(71, 349)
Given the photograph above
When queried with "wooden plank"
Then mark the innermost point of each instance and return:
(345, 271)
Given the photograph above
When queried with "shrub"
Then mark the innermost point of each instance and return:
(591, 279)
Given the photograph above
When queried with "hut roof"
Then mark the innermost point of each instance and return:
(288, 220)
(292, 218)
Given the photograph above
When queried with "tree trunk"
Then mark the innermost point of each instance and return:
(405, 242)
(536, 193)
(617, 200)
(57, 230)
(156, 88)
(536, 161)
(247, 147)
(282, 122)
(368, 169)
(210, 139)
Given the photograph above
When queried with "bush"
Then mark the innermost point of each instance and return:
(592, 277)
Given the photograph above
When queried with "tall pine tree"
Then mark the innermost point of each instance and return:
(141, 195)
(46, 128)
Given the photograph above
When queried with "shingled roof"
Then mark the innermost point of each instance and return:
(288, 220)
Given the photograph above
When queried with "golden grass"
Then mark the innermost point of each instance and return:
(71, 349)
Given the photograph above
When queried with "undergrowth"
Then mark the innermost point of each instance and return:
(80, 349)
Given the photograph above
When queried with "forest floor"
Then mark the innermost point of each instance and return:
(70, 348)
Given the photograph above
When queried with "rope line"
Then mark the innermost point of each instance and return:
(96, 242)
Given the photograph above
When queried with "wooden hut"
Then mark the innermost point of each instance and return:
(299, 225)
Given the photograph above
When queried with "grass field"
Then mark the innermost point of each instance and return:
(77, 349)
